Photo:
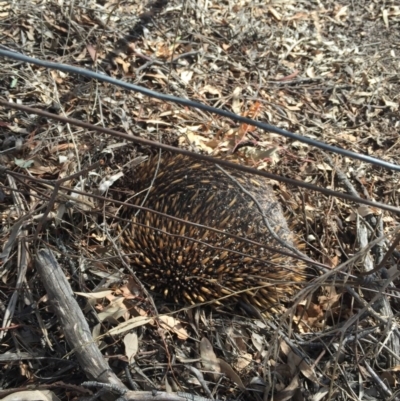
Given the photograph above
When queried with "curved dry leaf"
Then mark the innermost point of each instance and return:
(231, 374)
(129, 325)
(288, 392)
(320, 394)
(299, 363)
(323, 167)
(94, 295)
(168, 387)
(208, 358)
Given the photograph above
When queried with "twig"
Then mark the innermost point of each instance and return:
(199, 156)
(72, 320)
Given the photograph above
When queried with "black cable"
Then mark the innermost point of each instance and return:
(201, 106)
(198, 156)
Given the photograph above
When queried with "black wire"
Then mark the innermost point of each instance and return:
(201, 106)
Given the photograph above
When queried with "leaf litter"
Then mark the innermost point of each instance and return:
(328, 70)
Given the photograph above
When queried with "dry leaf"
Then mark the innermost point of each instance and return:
(258, 341)
(129, 325)
(237, 100)
(125, 66)
(92, 52)
(327, 302)
(324, 167)
(171, 324)
(296, 362)
(229, 372)
(208, 358)
(342, 13)
(211, 90)
(34, 395)
(320, 394)
(131, 345)
(186, 76)
(198, 140)
(305, 369)
(243, 361)
(164, 51)
(114, 311)
(11, 240)
(288, 392)
(275, 13)
(94, 295)
(385, 17)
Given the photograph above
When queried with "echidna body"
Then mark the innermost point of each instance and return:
(192, 264)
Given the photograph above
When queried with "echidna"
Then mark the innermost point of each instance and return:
(192, 264)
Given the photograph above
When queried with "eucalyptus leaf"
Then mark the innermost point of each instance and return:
(23, 163)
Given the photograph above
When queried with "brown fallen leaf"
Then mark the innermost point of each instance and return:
(174, 325)
(208, 358)
(229, 372)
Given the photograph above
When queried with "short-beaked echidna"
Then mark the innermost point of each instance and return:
(191, 264)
